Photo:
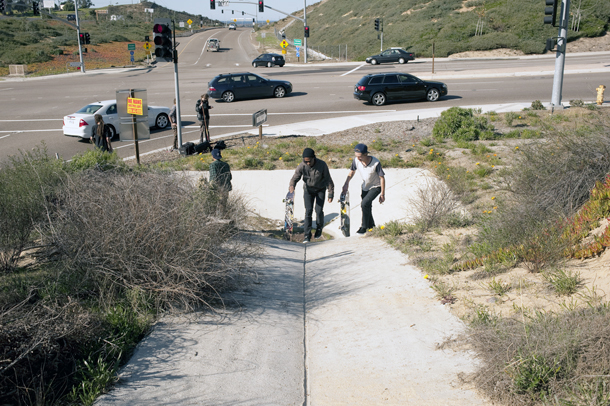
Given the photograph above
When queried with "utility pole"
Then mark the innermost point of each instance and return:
(560, 56)
(80, 48)
(175, 57)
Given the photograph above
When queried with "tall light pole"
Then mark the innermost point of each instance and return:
(560, 56)
(80, 49)
(305, 25)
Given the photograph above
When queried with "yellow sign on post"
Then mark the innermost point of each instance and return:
(189, 21)
(283, 44)
(147, 46)
(134, 106)
(284, 51)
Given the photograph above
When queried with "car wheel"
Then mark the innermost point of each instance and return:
(228, 96)
(378, 99)
(269, 64)
(162, 121)
(374, 62)
(433, 95)
(112, 131)
(401, 60)
(279, 92)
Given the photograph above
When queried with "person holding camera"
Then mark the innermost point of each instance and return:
(202, 107)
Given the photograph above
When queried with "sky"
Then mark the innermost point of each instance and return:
(203, 7)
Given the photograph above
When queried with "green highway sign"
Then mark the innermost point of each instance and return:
(131, 47)
(297, 43)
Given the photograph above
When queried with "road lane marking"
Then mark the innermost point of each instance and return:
(29, 131)
(10, 88)
(33, 119)
(297, 113)
(355, 69)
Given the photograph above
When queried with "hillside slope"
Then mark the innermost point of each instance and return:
(450, 24)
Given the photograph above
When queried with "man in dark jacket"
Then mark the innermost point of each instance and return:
(202, 107)
(316, 178)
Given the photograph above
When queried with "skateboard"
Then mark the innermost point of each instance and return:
(289, 216)
(344, 203)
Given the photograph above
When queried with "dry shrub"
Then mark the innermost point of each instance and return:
(432, 204)
(156, 233)
(546, 356)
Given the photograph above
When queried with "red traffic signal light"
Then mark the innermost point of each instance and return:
(212, 4)
(261, 6)
(164, 49)
(81, 39)
(306, 31)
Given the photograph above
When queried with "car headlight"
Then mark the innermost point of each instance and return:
(444, 85)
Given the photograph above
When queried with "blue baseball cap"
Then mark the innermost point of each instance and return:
(362, 148)
(216, 154)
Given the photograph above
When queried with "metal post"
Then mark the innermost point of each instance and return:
(80, 48)
(432, 56)
(381, 42)
(176, 85)
(560, 56)
(305, 25)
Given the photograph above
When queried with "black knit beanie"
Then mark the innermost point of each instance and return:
(308, 153)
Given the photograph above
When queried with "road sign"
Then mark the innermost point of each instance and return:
(267, 21)
(134, 106)
(74, 64)
(259, 118)
(284, 44)
(284, 51)
(298, 53)
(189, 21)
(131, 47)
(147, 46)
(181, 24)
(297, 42)
(131, 53)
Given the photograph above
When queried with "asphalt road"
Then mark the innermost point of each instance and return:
(32, 110)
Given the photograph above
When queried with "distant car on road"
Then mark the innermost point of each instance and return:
(391, 55)
(232, 26)
(79, 124)
(233, 86)
(213, 45)
(269, 60)
(380, 88)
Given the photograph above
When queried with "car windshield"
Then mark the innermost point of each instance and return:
(90, 109)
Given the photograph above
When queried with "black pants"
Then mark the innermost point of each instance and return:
(310, 196)
(367, 207)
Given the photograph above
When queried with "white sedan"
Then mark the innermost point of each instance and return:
(79, 124)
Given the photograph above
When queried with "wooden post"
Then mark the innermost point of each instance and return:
(432, 56)
(260, 132)
(135, 131)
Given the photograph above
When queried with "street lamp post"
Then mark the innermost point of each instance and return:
(305, 25)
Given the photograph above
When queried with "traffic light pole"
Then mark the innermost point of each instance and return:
(177, 86)
(305, 25)
(560, 56)
(80, 48)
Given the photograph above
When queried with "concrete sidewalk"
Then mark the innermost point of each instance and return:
(342, 322)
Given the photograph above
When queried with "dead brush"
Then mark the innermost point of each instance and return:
(432, 204)
(151, 232)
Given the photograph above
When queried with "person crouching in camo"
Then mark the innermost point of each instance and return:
(220, 174)
(316, 178)
(202, 107)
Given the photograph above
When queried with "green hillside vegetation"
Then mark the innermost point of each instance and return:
(28, 40)
(450, 24)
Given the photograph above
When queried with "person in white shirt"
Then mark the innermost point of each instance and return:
(373, 184)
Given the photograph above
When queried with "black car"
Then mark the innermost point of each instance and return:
(269, 60)
(380, 88)
(232, 86)
(391, 55)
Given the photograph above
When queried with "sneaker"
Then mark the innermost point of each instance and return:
(361, 231)
(318, 233)
(306, 239)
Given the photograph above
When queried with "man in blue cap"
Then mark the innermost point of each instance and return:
(373, 184)
(220, 173)
(316, 177)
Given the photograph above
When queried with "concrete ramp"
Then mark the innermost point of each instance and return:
(342, 322)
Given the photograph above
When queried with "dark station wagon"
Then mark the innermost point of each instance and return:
(232, 86)
(380, 88)
(269, 60)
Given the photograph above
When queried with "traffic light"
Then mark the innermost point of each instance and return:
(212, 4)
(2, 5)
(87, 38)
(376, 24)
(35, 8)
(306, 31)
(163, 42)
(146, 38)
(242, 13)
(261, 6)
(551, 11)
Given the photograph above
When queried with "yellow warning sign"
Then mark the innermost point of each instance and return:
(284, 51)
(147, 46)
(283, 44)
(189, 21)
(134, 106)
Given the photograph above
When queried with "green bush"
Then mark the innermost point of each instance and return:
(95, 159)
(537, 105)
(460, 124)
